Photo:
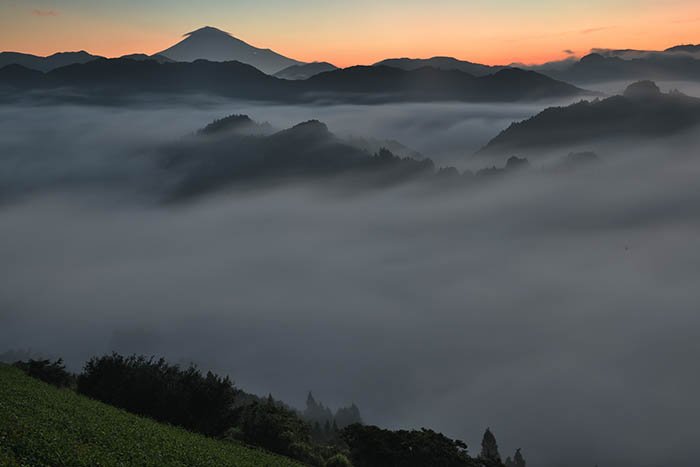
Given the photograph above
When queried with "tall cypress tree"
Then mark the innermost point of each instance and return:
(489, 448)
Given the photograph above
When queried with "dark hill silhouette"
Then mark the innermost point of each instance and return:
(125, 76)
(642, 112)
(237, 124)
(425, 84)
(305, 71)
(45, 64)
(212, 44)
(220, 155)
(687, 48)
(20, 76)
(142, 57)
(441, 63)
(112, 79)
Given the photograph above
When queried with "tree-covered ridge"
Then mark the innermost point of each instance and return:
(210, 404)
(641, 113)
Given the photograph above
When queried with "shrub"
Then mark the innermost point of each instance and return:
(164, 392)
(371, 446)
(277, 429)
(49, 372)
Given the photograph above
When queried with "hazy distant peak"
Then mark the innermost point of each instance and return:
(75, 54)
(693, 48)
(593, 57)
(642, 89)
(226, 124)
(311, 126)
(45, 64)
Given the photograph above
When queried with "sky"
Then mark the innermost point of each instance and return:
(357, 32)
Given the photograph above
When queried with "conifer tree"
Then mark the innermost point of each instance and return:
(489, 447)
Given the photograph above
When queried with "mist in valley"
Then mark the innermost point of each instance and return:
(558, 309)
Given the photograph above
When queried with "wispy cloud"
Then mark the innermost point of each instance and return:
(592, 30)
(38, 12)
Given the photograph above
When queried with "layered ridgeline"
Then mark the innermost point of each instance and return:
(641, 114)
(236, 152)
(440, 63)
(679, 63)
(305, 71)
(105, 79)
(206, 43)
(51, 62)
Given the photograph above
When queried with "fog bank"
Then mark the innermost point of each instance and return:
(561, 311)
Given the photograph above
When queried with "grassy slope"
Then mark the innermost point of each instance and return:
(44, 426)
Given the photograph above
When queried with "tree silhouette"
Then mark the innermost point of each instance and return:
(489, 448)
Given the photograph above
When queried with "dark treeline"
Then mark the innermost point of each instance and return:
(210, 404)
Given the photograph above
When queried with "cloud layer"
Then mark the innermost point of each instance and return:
(559, 311)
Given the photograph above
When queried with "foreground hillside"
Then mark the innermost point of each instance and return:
(42, 425)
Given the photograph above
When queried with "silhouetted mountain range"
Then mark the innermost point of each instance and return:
(45, 64)
(106, 79)
(642, 113)
(305, 71)
(430, 84)
(234, 79)
(441, 63)
(678, 63)
(212, 44)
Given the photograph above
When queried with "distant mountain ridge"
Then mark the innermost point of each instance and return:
(141, 57)
(125, 77)
(305, 71)
(686, 48)
(441, 63)
(430, 84)
(215, 45)
(678, 63)
(44, 64)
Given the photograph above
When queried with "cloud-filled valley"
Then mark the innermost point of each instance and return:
(560, 310)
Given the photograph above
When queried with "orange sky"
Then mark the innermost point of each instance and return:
(359, 32)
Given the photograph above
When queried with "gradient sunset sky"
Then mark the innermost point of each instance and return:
(358, 31)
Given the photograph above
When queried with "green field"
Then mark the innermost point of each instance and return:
(44, 426)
